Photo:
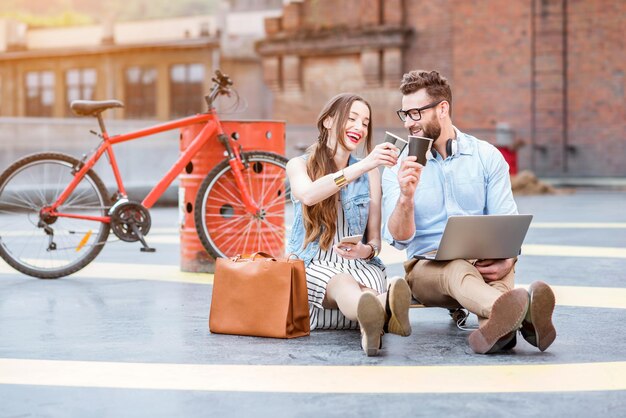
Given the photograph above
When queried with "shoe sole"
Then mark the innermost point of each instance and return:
(371, 316)
(507, 315)
(542, 303)
(399, 302)
(506, 343)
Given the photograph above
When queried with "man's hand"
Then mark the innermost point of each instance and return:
(409, 176)
(493, 270)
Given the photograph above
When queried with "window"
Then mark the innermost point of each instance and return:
(140, 92)
(186, 89)
(39, 93)
(80, 84)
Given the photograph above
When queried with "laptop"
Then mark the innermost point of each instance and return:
(481, 237)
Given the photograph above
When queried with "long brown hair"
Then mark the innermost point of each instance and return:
(320, 219)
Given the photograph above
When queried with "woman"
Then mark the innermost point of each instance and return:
(336, 195)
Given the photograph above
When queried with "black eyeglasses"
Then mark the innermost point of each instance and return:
(416, 113)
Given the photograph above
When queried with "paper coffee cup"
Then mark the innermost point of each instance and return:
(400, 143)
(419, 146)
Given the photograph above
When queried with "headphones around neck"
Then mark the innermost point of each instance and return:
(452, 148)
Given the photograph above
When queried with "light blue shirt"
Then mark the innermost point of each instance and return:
(473, 182)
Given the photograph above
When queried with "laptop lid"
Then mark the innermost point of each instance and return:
(483, 237)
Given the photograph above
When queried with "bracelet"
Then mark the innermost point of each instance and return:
(340, 179)
(375, 251)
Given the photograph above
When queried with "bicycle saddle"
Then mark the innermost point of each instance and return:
(93, 107)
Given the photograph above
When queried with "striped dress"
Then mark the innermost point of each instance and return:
(327, 264)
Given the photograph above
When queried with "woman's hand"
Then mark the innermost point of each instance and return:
(351, 251)
(383, 154)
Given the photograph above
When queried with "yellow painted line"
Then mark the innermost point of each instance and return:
(163, 239)
(596, 297)
(590, 297)
(390, 255)
(606, 376)
(574, 225)
(171, 235)
(174, 231)
(162, 273)
(573, 251)
(585, 296)
(124, 271)
(579, 225)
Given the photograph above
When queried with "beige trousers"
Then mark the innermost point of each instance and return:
(454, 284)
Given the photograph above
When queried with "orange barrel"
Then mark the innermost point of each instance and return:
(257, 135)
(193, 256)
(252, 136)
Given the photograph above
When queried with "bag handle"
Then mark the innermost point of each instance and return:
(262, 254)
(265, 255)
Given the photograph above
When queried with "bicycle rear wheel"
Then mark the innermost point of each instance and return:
(43, 246)
(225, 227)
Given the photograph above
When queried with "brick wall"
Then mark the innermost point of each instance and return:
(325, 14)
(596, 80)
(489, 66)
(548, 36)
(430, 46)
(549, 71)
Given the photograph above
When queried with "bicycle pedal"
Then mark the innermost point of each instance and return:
(147, 250)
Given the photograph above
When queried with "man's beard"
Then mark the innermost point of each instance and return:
(432, 129)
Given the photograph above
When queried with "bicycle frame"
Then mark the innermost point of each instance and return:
(213, 127)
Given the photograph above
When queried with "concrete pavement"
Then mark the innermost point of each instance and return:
(128, 336)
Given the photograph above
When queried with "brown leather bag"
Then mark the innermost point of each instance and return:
(260, 296)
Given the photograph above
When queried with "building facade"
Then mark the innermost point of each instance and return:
(158, 69)
(161, 69)
(546, 75)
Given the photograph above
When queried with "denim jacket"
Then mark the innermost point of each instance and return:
(355, 199)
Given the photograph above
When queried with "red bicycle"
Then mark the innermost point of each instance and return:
(56, 213)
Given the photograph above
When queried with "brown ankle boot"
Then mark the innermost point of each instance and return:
(371, 316)
(506, 317)
(537, 327)
(397, 307)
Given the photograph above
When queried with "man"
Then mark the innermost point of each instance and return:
(463, 176)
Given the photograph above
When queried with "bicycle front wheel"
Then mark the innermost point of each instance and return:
(225, 227)
(41, 245)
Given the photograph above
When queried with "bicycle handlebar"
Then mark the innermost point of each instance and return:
(222, 79)
(221, 83)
